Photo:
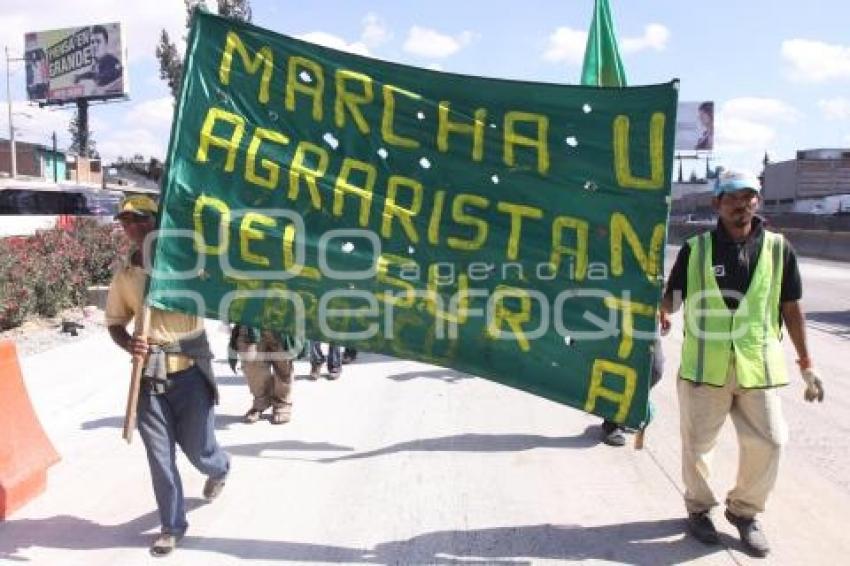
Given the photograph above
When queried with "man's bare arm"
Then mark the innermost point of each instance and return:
(795, 320)
(133, 346)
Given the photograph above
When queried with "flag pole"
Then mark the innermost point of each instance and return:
(142, 327)
(603, 67)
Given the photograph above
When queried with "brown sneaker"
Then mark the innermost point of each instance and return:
(315, 371)
(252, 416)
(334, 374)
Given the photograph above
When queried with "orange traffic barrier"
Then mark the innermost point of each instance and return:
(25, 450)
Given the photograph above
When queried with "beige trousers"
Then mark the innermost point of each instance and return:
(269, 375)
(761, 431)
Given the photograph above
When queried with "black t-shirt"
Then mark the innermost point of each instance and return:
(734, 264)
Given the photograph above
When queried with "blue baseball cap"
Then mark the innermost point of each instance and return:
(732, 181)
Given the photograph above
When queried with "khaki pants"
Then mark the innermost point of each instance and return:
(761, 431)
(269, 375)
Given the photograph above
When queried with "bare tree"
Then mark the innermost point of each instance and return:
(170, 60)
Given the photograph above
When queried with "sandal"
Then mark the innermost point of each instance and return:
(315, 371)
(252, 416)
(281, 416)
(164, 545)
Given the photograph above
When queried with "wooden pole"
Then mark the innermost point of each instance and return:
(639, 439)
(143, 323)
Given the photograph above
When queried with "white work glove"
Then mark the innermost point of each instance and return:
(814, 385)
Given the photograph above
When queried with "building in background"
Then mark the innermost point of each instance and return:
(84, 170)
(34, 161)
(817, 181)
(691, 201)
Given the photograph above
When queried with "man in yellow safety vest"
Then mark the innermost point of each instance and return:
(739, 283)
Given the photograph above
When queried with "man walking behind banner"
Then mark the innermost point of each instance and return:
(178, 389)
(739, 282)
(267, 361)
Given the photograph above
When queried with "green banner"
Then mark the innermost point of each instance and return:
(512, 230)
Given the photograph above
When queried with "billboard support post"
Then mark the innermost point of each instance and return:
(83, 126)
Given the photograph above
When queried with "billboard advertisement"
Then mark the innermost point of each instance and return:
(83, 62)
(695, 126)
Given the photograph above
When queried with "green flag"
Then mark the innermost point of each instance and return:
(602, 64)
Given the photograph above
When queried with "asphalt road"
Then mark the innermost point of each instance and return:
(405, 463)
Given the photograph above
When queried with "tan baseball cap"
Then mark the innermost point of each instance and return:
(137, 204)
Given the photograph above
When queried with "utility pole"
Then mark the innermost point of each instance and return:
(12, 152)
(55, 161)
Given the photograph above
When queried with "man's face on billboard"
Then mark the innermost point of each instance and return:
(98, 45)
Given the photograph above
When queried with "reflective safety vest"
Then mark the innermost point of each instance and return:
(713, 333)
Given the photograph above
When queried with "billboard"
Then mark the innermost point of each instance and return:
(695, 126)
(71, 63)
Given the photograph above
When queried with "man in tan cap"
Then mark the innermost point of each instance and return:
(178, 390)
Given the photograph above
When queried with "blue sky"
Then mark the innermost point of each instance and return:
(779, 71)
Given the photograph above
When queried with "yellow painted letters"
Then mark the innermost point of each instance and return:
(223, 224)
(579, 252)
(364, 193)
(517, 212)
(622, 398)
(629, 309)
(445, 126)
(620, 228)
(622, 165)
(299, 167)
(540, 143)
(462, 218)
(272, 168)
(405, 215)
(352, 100)
(265, 58)
(315, 88)
(388, 117)
(208, 138)
(247, 233)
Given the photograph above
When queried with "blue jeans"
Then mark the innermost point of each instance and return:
(317, 357)
(183, 415)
